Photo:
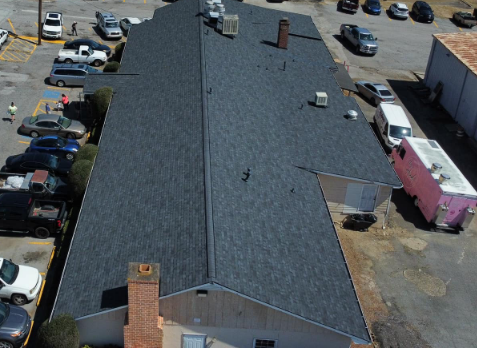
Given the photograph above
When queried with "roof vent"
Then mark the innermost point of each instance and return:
(230, 24)
(436, 168)
(209, 6)
(220, 8)
(443, 178)
(321, 99)
(352, 115)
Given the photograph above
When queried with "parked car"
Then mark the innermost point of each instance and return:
(83, 54)
(360, 38)
(3, 37)
(52, 25)
(422, 11)
(20, 213)
(376, 93)
(127, 22)
(71, 74)
(46, 124)
(55, 145)
(465, 19)
(19, 284)
(39, 184)
(15, 326)
(398, 10)
(373, 6)
(392, 125)
(146, 19)
(75, 44)
(29, 162)
(350, 5)
(108, 24)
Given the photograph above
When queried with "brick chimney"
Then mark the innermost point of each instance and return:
(283, 29)
(143, 326)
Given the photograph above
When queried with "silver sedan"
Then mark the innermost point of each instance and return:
(376, 93)
(399, 10)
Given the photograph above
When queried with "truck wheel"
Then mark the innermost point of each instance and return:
(42, 232)
(416, 201)
(34, 134)
(68, 61)
(357, 49)
(19, 299)
(342, 35)
(70, 156)
(71, 136)
(5, 344)
(60, 83)
(97, 62)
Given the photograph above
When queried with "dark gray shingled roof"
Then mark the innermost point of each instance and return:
(167, 189)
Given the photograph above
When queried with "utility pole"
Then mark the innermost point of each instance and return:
(40, 26)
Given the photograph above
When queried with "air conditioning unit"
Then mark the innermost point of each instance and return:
(321, 99)
(230, 25)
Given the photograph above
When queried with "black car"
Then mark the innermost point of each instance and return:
(29, 162)
(422, 11)
(75, 44)
(15, 325)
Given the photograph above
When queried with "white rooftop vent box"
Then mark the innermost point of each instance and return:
(230, 25)
(321, 99)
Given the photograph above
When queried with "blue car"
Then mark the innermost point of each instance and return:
(55, 145)
(373, 6)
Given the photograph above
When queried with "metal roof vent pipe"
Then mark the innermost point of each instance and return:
(283, 29)
(436, 168)
(209, 7)
(352, 115)
(220, 8)
(443, 178)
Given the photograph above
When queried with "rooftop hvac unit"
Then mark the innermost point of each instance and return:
(230, 25)
(321, 99)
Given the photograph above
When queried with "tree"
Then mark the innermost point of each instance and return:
(87, 152)
(100, 103)
(118, 51)
(112, 67)
(61, 332)
(79, 176)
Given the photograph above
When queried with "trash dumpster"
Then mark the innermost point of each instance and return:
(361, 222)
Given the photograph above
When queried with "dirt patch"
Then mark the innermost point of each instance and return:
(431, 285)
(414, 243)
(396, 333)
(33, 256)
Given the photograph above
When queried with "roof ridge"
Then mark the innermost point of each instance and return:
(209, 221)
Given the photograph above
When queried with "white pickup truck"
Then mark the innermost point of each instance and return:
(82, 55)
(19, 284)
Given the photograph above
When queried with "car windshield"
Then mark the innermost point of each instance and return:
(33, 119)
(367, 36)
(94, 44)
(53, 22)
(111, 24)
(374, 3)
(399, 132)
(4, 312)
(50, 182)
(91, 70)
(385, 93)
(61, 142)
(65, 122)
(8, 272)
(53, 162)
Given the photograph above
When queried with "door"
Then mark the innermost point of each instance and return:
(193, 341)
(368, 198)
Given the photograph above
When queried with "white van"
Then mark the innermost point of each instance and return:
(392, 124)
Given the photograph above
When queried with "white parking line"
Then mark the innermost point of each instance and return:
(33, 11)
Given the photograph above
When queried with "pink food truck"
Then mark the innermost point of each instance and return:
(442, 193)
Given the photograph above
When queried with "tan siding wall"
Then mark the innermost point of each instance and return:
(227, 310)
(335, 192)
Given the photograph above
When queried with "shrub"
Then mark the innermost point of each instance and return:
(101, 99)
(112, 67)
(87, 152)
(118, 51)
(79, 175)
(61, 332)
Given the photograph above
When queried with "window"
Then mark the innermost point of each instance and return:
(402, 153)
(264, 343)
(45, 124)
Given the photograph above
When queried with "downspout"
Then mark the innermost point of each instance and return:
(387, 209)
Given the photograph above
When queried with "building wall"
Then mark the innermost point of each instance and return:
(335, 189)
(102, 329)
(235, 322)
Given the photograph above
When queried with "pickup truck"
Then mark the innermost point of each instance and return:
(361, 39)
(350, 5)
(39, 184)
(19, 284)
(21, 213)
(82, 55)
(465, 18)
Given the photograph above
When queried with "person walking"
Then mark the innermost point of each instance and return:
(65, 101)
(47, 108)
(73, 29)
(12, 110)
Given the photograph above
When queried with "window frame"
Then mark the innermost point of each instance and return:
(275, 340)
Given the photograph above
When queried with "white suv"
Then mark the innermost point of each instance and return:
(20, 284)
(52, 25)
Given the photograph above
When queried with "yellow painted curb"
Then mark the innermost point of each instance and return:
(41, 292)
(28, 338)
(39, 243)
(51, 257)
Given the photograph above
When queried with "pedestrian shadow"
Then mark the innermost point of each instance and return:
(6, 119)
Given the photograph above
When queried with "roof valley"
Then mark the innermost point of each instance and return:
(209, 226)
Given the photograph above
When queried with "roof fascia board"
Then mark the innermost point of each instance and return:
(350, 178)
(102, 312)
